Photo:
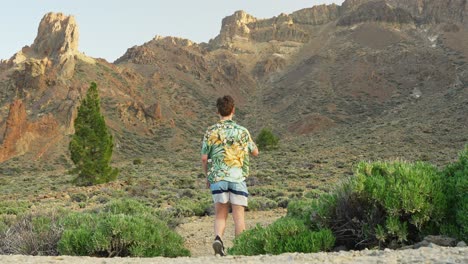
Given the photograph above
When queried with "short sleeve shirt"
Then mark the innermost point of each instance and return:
(227, 145)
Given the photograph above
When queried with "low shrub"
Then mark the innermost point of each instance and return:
(456, 190)
(385, 204)
(121, 228)
(285, 235)
(79, 197)
(10, 207)
(127, 207)
(190, 207)
(261, 204)
(266, 140)
(33, 234)
(301, 209)
(137, 161)
(111, 235)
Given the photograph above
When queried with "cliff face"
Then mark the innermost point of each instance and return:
(317, 15)
(375, 11)
(244, 27)
(22, 136)
(423, 11)
(435, 11)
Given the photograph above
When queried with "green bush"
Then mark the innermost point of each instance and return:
(285, 235)
(384, 204)
(110, 235)
(127, 207)
(301, 209)
(456, 190)
(267, 140)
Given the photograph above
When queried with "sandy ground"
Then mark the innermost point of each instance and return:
(433, 254)
(198, 232)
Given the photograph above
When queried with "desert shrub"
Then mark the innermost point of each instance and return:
(79, 197)
(110, 235)
(261, 204)
(285, 235)
(301, 209)
(10, 207)
(456, 190)
(266, 140)
(191, 207)
(32, 234)
(282, 202)
(127, 207)
(137, 161)
(386, 204)
(313, 194)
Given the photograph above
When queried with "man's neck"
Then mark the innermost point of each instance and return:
(224, 118)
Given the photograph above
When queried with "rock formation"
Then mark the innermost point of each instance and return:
(57, 36)
(21, 136)
(376, 11)
(56, 41)
(316, 15)
(242, 27)
(424, 11)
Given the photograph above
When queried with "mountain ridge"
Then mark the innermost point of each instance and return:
(317, 70)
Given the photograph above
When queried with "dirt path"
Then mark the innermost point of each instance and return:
(198, 231)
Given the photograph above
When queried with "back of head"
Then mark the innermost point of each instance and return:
(225, 105)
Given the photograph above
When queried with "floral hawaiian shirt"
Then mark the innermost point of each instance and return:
(227, 145)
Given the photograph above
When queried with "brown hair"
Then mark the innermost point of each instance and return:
(225, 105)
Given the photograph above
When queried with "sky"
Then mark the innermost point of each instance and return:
(107, 28)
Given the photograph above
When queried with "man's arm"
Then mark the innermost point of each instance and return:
(204, 160)
(255, 152)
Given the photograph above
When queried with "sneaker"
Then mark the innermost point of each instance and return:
(218, 247)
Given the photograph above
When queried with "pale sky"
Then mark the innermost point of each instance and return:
(109, 27)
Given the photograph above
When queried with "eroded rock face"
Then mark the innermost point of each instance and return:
(435, 11)
(20, 134)
(57, 41)
(376, 11)
(316, 15)
(145, 54)
(242, 27)
(423, 11)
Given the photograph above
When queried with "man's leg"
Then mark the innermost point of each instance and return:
(238, 216)
(221, 211)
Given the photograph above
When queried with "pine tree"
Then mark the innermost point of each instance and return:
(91, 146)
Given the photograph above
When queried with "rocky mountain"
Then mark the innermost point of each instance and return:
(369, 77)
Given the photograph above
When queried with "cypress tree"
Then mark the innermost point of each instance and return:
(91, 146)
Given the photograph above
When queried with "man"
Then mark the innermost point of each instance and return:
(225, 159)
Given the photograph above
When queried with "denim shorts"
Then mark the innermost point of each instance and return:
(230, 192)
